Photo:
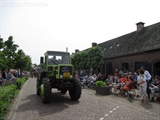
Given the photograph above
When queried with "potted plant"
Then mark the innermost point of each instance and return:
(102, 88)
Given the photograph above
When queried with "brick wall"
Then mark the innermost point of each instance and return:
(150, 57)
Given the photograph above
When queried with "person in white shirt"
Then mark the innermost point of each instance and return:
(147, 74)
(141, 81)
(148, 80)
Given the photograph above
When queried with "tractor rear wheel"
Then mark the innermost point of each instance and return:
(75, 94)
(46, 90)
(38, 87)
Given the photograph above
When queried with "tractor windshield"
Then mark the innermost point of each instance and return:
(58, 58)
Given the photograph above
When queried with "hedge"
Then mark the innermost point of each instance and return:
(7, 94)
(20, 82)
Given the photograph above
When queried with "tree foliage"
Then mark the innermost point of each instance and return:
(1, 43)
(9, 51)
(95, 57)
(79, 60)
(11, 57)
(2, 60)
(91, 58)
(22, 61)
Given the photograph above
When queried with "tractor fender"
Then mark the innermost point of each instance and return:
(42, 89)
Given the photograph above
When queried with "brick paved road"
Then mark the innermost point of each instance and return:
(28, 106)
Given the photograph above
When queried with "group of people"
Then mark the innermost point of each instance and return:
(90, 80)
(8, 77)
(145, 85)
(141, 80)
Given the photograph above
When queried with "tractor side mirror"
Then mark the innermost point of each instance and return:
(41, 60)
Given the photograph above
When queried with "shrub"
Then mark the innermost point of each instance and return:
(20, 82)
(101, 84)
(7, 93)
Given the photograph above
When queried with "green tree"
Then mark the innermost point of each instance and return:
(1, 43)
(91, 58)
(95, 57)
(79, 60)
(2, 56)
(11, 58)
(75, 61)
(19, 58)
(22, 61)
(2, 61)
(27, 63)
(9, 51)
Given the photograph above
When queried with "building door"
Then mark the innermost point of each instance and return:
(156, 68)
(108, 69)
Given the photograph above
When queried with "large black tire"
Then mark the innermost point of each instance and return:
(38, 87)
(75, 94)
(47, 90)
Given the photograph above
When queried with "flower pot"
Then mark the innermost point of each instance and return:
(103, 90)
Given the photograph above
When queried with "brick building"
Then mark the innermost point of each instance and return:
(131, 51)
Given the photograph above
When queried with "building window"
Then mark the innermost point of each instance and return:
(139, 64)
(156, 68)
(125, 67)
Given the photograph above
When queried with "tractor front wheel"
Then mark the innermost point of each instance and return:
(46, 90)
(75, 94)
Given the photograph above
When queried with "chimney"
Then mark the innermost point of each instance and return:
(76, 50)
(94, 44)
(140, 26)
(66, 49)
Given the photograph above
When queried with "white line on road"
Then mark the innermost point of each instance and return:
(110, 111)
(114, 109)
(101, 118)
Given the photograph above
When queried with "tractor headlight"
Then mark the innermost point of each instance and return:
(61, 76)
(71, 76)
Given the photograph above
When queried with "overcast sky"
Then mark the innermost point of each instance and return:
(41, 25)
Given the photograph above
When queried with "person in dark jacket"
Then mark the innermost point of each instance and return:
(155, 87)
(4, 74)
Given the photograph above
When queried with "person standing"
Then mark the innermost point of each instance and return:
(141, 81)
(1, 80)
(115, 78)
(4, 75)
(10, 78)
(148, 80)
(99, 76)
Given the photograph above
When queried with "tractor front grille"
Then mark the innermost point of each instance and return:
(66, 71)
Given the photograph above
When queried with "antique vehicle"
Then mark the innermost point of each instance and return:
(57, 72)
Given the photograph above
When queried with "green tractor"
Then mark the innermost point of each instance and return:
(57, 72)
